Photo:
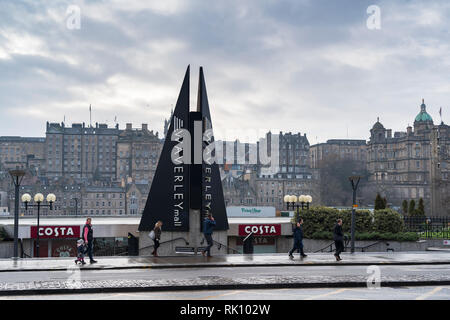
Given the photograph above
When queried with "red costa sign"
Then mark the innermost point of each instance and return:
(56, 232)
(260, 229)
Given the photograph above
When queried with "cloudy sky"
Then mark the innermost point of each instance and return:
(306, 66)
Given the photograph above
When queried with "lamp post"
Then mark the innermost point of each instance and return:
(17, 176)
(354, 181)
(76, 206)
(38, 198)
(295, 203)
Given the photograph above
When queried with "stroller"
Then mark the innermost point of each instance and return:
(81, 250)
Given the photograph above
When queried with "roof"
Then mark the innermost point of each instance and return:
(423, 116)
(378, 125)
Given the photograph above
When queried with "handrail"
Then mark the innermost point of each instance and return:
(220, 245)
(251, 233)
(330, 245)
(227, 247)
(179, 238)
(24, 255)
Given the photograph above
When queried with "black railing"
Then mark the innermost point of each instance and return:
(151, 246)
(428, 227)
(220, 245)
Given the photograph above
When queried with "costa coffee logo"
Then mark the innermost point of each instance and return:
(56, 232)
(260, 229)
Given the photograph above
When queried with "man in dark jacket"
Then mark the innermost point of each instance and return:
(208, 225)
(298, 240)
(88, 237)
(338, 236)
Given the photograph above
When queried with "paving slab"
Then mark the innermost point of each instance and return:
(254, 260)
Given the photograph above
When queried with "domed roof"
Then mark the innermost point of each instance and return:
(423, 115)
(378, 125)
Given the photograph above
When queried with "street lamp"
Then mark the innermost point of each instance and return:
(17, 176)
(294, 202)
(38, 198)
(354, 181)
(76, 206)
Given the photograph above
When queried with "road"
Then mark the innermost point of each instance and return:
(229, 272)
(400, 293)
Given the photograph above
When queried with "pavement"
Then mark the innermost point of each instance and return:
(235, 260)
(231, 272)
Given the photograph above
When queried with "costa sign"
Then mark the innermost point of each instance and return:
(260, 229)
(56, 232)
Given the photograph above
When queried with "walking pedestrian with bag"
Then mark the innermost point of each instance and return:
(298, 240)
(338, 236)
(156, 236)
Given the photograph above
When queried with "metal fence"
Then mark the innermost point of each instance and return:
(429, 227)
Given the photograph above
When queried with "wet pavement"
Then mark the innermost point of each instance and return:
(255, 260)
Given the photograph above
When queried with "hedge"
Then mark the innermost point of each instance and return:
(400, 236)
(323, 219)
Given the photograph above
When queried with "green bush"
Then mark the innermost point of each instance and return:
(371, 236)
(387, 220)
(3, 234)
(319, 222)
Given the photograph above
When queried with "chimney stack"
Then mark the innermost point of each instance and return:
(128, 127)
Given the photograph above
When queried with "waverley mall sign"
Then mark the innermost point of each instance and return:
(253, 212)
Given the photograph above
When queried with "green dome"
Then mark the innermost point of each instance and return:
(423, 115)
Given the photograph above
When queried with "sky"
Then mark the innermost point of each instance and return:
(324, 68)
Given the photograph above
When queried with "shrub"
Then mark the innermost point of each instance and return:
(379, 202)
(321, 220)
(387, 220)
(371, 236)
(412, 207)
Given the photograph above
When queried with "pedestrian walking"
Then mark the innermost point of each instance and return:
(157, 231)
(208, 226)
(88, 237)
(298, 240)
(338, 237)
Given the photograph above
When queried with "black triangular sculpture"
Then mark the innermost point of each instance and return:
(212, 192)
(168, 199)
(178, 187)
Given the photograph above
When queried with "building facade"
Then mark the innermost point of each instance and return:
(412, 164)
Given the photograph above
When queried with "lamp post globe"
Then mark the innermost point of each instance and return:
(38, 197)
(26, 198)
(51, 197)
(286, 198)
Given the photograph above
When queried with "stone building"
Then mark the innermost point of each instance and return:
(252, 185)
(21, 152)
(404, 166)
(137, 155)
(341, 149)
(81, 151)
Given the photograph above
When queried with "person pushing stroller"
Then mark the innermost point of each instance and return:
(81, 249)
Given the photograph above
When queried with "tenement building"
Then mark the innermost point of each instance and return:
(338, 149)
(137, 154)
(21, 152)
(412, 164)
(81, 151)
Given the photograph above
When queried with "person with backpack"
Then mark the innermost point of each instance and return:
(155, 234)
(88, 237)
(208, 226)
(298, 240)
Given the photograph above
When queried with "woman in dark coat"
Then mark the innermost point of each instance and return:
(338, 236)
(157, 231)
